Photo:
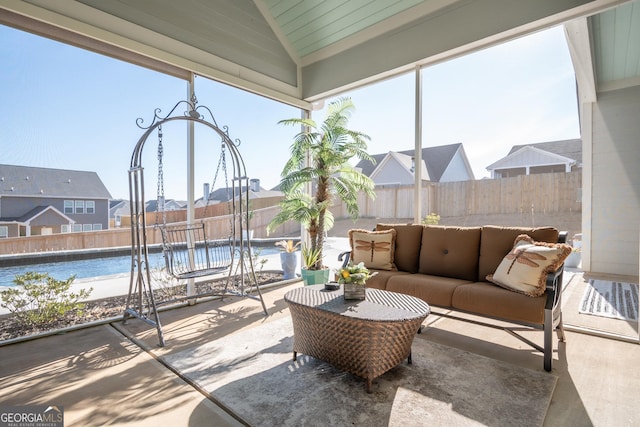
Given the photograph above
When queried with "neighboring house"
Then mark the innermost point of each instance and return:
(38, 201)
(224, 194)
(445, 163)
(216, 196)
(118, 209)
(122, 208)
(543, 157)
(169, 205)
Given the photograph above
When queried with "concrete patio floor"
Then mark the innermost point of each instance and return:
(108, 374)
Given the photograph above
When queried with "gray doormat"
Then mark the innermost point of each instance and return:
(252, 374)
(615, 300)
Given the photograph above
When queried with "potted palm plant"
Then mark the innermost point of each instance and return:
(320, 156)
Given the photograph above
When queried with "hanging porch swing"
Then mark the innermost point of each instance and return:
(188, 253)
(188, 248)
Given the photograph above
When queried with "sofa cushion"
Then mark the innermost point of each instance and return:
(496, 242)
(380, 279)
(450, 252)
(490, 300)
(408, 241)
(374, 248)
(435, 290)
(526, 266)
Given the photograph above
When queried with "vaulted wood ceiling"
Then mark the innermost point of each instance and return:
(299, 51)
(615, 35)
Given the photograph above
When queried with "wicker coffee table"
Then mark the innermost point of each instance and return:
(365, 338)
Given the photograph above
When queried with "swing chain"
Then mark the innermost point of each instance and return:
(160, 190)
(221, 161)
(226, 177)
(226, 183)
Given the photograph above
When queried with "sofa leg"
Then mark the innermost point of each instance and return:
(547, 360)
(548, 340)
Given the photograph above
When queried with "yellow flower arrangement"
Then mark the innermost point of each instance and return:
(354, 273)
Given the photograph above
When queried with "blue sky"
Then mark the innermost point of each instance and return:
(67, 108)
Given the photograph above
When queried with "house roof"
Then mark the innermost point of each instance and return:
(264, 194)
(152, 205)
(529, 156)
(117, 203)
(36, 212)
(119, 207)
(571, 148)
(302, 51)
(223, 194)
(45, 182)
(436, 160)
(404, 160)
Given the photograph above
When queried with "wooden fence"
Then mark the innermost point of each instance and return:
(540, 193)
(213, 210)
(216, 227)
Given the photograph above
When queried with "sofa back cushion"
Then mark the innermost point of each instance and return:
(407, 248)
(450, 251)
(496, 242)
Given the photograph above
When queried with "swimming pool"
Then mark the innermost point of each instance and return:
(95, 267)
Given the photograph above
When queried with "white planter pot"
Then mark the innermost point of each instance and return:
(573, 260)
(289, 261)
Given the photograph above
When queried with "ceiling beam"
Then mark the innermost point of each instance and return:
(579, 43)
(284, 41)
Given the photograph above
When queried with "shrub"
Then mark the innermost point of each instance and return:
(258, 265)
(431, 219)
(165, 286)
(38, 299)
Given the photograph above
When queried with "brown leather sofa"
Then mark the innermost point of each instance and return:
(447, 267)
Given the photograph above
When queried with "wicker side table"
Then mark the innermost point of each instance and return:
(365, 338)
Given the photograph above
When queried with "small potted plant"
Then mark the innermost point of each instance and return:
(354, 277)
(288, 257)
(310, 275)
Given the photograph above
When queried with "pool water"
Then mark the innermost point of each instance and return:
(96, 267)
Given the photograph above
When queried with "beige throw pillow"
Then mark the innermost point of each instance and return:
(525, 268)
(374, 248)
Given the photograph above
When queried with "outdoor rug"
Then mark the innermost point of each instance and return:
(610, 299)
(252, 374)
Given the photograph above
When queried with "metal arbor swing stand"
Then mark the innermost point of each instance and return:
(188, 251)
